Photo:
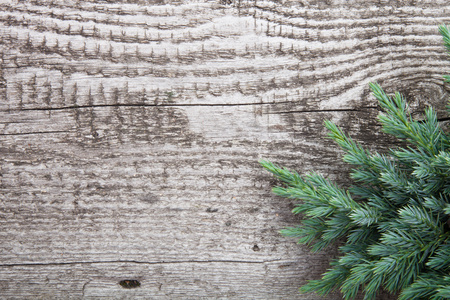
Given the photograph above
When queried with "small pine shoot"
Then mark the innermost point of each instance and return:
(395, 219)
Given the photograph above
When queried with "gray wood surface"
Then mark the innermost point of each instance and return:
(130, 133)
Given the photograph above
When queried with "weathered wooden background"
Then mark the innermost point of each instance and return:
(130, 133)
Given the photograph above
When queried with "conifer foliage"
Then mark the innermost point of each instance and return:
(393, 223)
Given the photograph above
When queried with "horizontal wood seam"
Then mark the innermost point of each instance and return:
(139, 262)
(34, 132)
(187, 105)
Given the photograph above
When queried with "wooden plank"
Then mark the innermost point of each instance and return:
(130, 134)
(162, 280)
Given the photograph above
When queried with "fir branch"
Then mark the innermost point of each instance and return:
(420, 219)
(283, 174)
(426, 135)
(394, 222)
(356, 155)
(443, 30)
(331, 280)
(435, 204)
(441, 258)
(428, 286)
(365, 215)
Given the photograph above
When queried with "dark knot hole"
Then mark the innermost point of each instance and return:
(129, 283)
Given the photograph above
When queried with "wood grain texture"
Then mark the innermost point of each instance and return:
(130, 133)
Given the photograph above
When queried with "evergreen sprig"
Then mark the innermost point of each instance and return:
(394, 221)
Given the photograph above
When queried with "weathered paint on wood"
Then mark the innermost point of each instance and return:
(130, 133)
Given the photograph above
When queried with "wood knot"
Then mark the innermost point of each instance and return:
(129, 283)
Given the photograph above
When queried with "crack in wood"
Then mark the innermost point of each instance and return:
(143, 105)
(84, 287)
(138, 262)
(361, 109)
(193, 105)
(34, 132)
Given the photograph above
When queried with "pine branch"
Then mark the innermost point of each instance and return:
(434, 286)
(445, 33)
(426, 135)
(394, 222)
